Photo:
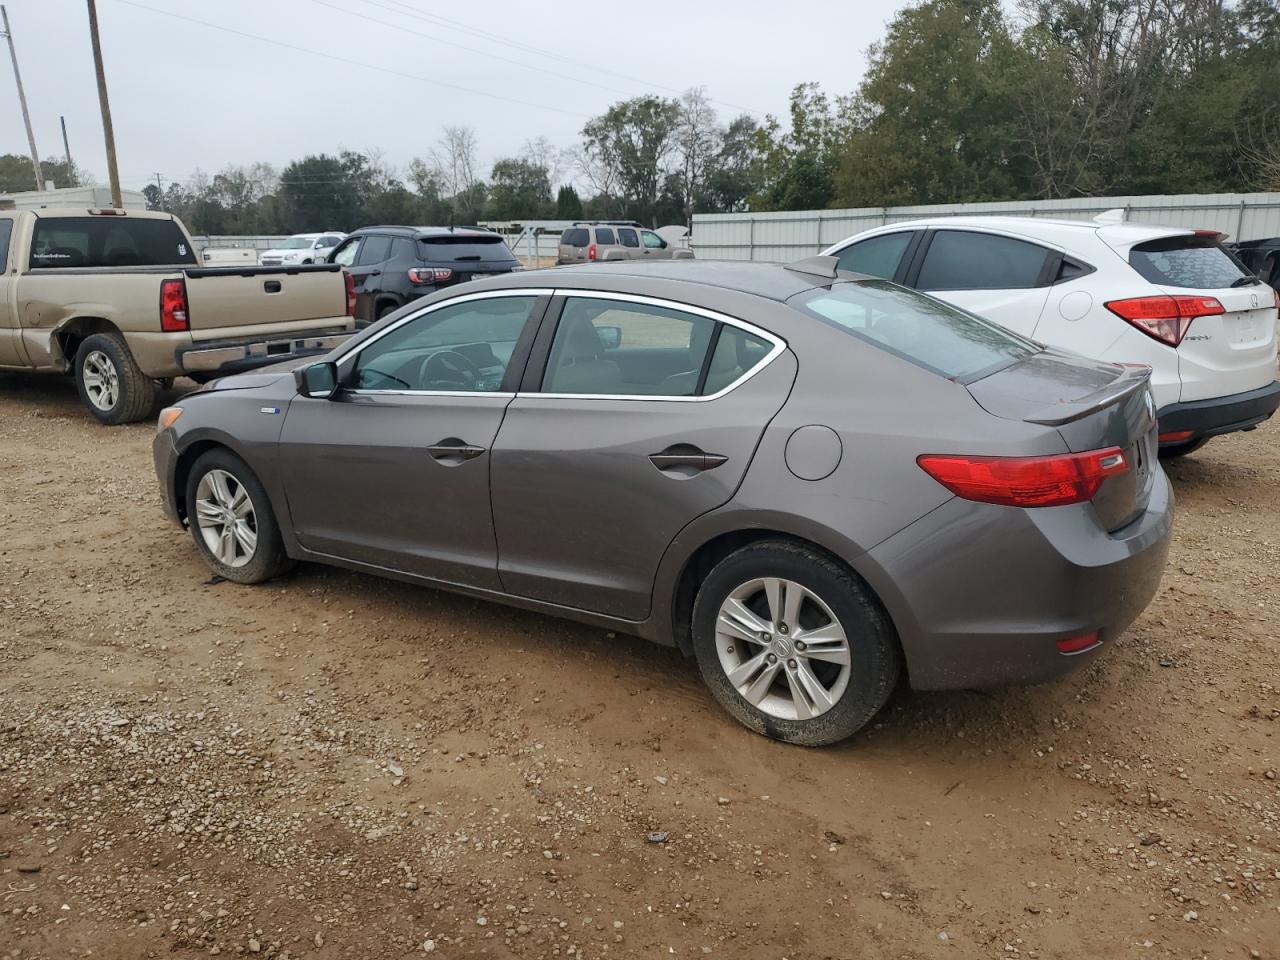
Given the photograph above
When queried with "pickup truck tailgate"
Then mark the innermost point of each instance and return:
(221, 299)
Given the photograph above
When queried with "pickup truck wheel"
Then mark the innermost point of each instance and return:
(110, 383)
(231, 519)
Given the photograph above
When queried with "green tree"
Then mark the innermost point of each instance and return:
(795, 166)
(627, 148)
(519, 190)
(568, 204)
(321, 192)
(734, 173)
(16, 174)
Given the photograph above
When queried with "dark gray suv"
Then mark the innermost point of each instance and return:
(812, 482)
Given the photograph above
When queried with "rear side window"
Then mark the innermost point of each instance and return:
(604, 235)
(876, 257)
(402, 249)
(1200, 263)
(450, 247)
(6, 232)
(577, 237)
(928, 332)
(628, 238)
(961, 260)
(108, 242)
(376, 249)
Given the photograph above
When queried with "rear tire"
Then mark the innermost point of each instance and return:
(386, 309)
(231, 519)
(809, 671)
(1174, 451)
(110, 382)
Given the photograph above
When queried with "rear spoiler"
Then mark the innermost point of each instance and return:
(1128, 383)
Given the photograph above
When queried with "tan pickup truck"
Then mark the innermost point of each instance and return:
(117, 299)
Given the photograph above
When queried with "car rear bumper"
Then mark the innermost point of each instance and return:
(1208, 418)
(980, 594)
(236, 356)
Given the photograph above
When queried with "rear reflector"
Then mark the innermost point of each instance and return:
(173, 306)
(1165, 318)
(1176, 436)
(591, 252)
(1086, 641)
(1051, 481)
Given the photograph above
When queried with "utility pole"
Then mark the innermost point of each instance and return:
(66, 149)
(160, 187)
(107, 135)
(22, 99)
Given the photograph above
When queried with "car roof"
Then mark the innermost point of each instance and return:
(771, 281)
(1045, 228)
(417, 232)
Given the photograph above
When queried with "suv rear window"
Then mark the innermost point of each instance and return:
(577, 237)
(108, 242)
(1200, 263)
(925, 331)
(604, 236)
(450, 247)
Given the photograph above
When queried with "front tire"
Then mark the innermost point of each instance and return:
(110, 382)
(793, 645)
(231, 519)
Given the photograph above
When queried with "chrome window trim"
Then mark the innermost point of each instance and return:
(779, 345)
(432, 308)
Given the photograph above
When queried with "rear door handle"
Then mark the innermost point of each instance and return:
(451, 451)
(685, 460)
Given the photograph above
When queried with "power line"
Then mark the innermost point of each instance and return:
(410, 10)
(350, 62)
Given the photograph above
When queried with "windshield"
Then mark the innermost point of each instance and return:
(298, 243)
(928, 332)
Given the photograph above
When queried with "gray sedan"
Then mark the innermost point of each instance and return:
(813, 483)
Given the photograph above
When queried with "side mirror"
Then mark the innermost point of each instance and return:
(611, 337)
(317, 380)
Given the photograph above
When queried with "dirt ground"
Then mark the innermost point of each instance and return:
(337, 766)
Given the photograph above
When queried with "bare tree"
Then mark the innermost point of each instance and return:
(1260, 156)
(541, 152)
(455, 160)
(697, 139)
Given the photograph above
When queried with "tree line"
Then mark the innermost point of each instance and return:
(963, 100)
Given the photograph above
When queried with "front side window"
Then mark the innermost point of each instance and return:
(461, 348)
(324, 242)
(653, 241)
(627, 237)
(346, 254)
(108, 241)
(925, 331)
(376, 249)
(623, 349)
(876, 256)
(1195, 262)
(964, 260)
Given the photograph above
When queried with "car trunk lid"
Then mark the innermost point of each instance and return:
(223, 298)
(1093, 406)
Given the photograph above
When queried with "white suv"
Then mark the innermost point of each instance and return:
(1124, 292)
(303, 248)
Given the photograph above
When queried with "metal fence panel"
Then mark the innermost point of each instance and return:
(793, 234)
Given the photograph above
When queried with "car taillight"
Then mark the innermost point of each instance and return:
(173, 306)
(1050, 481)
(591, 252)
(350, 281)
(1165, 318)
(1175, 436)
(421, 275)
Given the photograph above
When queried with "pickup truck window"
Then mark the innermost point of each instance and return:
(6, 231)
(108, 242)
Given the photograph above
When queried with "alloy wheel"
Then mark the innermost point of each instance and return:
(101, 380)
(782, 648)
(225, 518)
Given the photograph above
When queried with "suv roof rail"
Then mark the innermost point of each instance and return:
(607, 223)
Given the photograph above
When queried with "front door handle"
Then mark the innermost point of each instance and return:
(451, 451)
(685, 460)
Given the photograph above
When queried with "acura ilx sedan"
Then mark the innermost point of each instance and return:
(812, 482)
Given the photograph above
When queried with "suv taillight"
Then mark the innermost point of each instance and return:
(591, 252)
(1050, 481)
(421, 275)
(350, 282)
(1165, 318)
(173, 306)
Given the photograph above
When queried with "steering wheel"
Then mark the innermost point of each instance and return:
(450, 367)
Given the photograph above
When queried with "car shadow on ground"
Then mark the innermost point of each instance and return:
(54, 395)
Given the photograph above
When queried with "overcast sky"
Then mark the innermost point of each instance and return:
(388, 74)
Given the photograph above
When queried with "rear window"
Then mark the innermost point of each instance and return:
(463, 247)
(925, 331)
(577, 237)
(108, 242)
(1200, 263)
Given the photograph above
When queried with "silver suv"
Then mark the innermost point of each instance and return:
(589, 241)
